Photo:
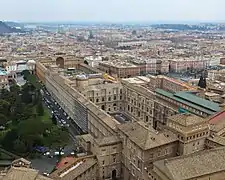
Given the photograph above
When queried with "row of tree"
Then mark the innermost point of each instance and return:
(24, 120)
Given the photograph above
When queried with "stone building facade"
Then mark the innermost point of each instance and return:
(156, 131)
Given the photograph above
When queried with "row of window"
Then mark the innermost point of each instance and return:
(115, 92)
(109, 99)
(194, 136)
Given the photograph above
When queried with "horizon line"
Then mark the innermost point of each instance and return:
(118, 22)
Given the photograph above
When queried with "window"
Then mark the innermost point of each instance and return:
(139, 164)
(103, 162)
(120, 97)
(114, 104)
(103, 107)
(103, 99)
(97, 100)
(139, 113)
(109, 98)
(146, 119)
(114, 97)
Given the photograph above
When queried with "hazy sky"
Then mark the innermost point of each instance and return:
(112, 10)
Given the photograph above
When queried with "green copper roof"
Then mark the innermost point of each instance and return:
(191, 101)
(198, 100)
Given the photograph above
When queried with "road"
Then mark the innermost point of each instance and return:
(62, 118)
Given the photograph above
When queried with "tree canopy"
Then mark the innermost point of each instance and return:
(24, 117)
(202, 82)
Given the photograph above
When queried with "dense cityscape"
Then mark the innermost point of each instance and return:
(112, 101)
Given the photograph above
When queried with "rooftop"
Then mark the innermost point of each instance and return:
(217, 122)
(193, 165)
(21, 173)
(73, 169)
(119, 64)
(191, 100)
(111, 140)
(187, 119)
(137, 80)
(197, 100)
(217, 139)
(145, 136)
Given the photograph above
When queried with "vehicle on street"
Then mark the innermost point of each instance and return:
(46, 174)
(47, 153)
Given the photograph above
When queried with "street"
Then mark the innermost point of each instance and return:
(62, 118)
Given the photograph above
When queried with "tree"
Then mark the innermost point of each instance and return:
(7, 96)
(3, 120)
(40, 109)
(202, 82)
(15, 89)
(9, 138)
(57, 138)
(26, 95)
(25, 74)
(19, 146)
(17, 110)
(32, 132)
(54, 120)
(4, 108)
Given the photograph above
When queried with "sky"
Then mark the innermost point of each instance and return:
(113, 10)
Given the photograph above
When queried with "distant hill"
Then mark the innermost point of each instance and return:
(14, 24)
(4, 28)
